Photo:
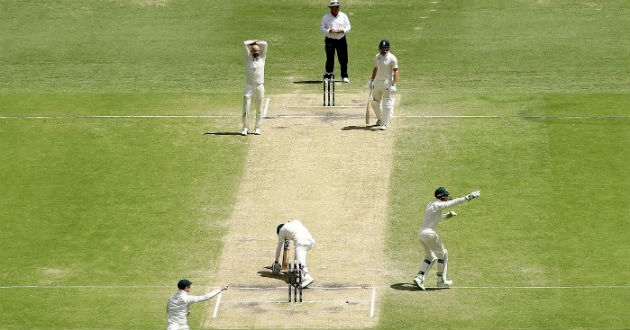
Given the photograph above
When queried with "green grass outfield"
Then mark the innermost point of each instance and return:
(144, 201)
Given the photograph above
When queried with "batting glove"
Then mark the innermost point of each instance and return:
(276, 267)
(451, 214)
(371, 83)
(473, 195)
(392, 89)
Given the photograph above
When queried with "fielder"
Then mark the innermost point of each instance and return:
(255, 89)
(433, 248)
(383, 84)
(178, 305)
(302, 240)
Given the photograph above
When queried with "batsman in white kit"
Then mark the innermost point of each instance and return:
(433, 248)
(254, 94)
(303, 241)
(383, 84)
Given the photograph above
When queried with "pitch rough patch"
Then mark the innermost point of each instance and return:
(333, 174)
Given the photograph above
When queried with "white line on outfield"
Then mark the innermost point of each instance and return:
(310, 288)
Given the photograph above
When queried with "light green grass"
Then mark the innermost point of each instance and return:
(144, 201)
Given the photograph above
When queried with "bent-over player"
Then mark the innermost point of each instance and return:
(255, 89)
(433, 248)
(302, 240)
(178, 306)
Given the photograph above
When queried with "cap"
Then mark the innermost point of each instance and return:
(334, 4)
(183, 284)
(441, 191)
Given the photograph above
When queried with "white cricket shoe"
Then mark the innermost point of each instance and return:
(346, 80)
(307, 280)
(244, 132)
(444, 284)
(419, 280)
(383, 127)
(257, 131)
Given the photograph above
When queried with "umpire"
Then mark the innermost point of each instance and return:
(334, 26)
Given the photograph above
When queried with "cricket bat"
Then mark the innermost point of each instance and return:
(285, 255)
(367, 109)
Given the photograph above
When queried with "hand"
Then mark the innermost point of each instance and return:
(371, 83)
(224, 287)
(473, 195)
(392, 89)
(276, 267)
(451, 214)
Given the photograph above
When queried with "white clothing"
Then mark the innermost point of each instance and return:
(255, 67)
(178, 307)
(340, 21)
(302, 240)
(253, 95)
(386, 66)
(428, 237)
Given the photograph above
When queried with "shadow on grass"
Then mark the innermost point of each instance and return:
(365, 128)
(222, 133)
(411, 287)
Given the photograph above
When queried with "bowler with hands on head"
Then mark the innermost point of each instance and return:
(178, 305)
(254, 89)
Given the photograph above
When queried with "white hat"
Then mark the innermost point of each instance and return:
(334, 4)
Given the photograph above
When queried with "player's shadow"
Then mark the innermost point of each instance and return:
(363, 128)
(411, 287)
(222, 133)
(269, 274)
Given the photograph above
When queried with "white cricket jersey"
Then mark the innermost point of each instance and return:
(178, 306)
(294, 230)
(433, 213)
(255, 67)
(386, 65)
(340, 21)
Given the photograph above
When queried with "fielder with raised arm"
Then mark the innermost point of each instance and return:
(255, 56)
(433, 248)
(302, 240)
(178, 306)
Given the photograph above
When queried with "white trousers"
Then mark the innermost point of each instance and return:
(175, 326)
(253, 96)
(300, 255)
(431, 243)
(383, 101)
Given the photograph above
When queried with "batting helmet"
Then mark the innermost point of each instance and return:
(383, 44)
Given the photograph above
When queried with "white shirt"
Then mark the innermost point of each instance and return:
(340, 21)
(433, 213)
(386, 65)
(294, 230)
(255, 67)
(178, 306)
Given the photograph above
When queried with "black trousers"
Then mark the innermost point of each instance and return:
(341, 47)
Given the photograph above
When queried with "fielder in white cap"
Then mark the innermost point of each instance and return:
(302, 240)
(433, 248)
(255, 56)
(178, 305)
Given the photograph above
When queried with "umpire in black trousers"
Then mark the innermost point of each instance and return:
(335, 25)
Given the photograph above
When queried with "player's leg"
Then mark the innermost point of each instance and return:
(300, 259)
(259, 97)
(377, 97)
(442, 267)
(388, 107)
(247, 100)
(425, 237)
(342, 53)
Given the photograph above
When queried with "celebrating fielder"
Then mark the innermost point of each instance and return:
(302, 240)
(433, 248)
(255, 89)
(178, 306)
(383, 84)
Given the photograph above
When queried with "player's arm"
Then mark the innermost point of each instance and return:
(263, 48)
(346, 26)
(279, 247)
(395, 76)
(323, 27)
(246, 45)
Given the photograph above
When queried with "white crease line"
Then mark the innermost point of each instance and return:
(247, 302)
(373, 302)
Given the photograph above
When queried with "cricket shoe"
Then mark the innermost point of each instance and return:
(383, 127)
(307, 280)
(257, 131)
(346, 80)
(419, 280)
(444, 284)
(244, 132)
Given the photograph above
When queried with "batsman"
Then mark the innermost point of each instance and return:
(433, 248)
(302, 240)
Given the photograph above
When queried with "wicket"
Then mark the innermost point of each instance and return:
(294, 276)
(327, 81)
